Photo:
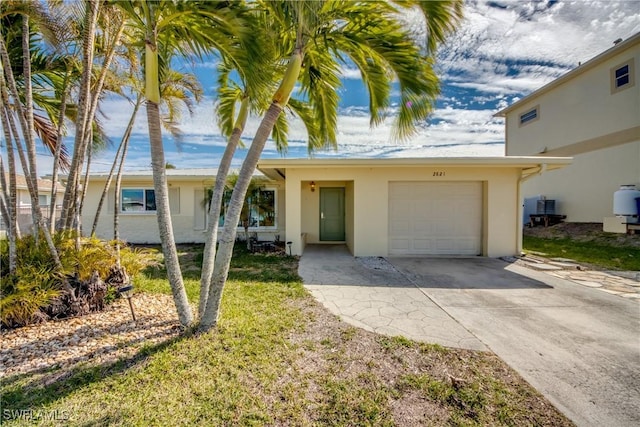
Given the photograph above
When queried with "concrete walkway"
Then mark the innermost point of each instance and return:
(576, 344)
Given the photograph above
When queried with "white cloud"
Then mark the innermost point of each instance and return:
(539, 42)
(502, 51)
(350, 73)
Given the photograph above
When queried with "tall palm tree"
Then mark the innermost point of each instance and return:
(252, 96)
(23, 106)
(180, 28)
(321, 35)
(97, 55)
(177, 89)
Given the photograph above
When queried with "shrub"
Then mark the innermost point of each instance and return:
(36, 290)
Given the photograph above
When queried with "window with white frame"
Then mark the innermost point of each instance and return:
(258, 211)
(530, 116)
(622, 76)
(137, 200)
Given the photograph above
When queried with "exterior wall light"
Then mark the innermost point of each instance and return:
(313, 186)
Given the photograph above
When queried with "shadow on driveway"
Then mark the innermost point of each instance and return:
(463, 273)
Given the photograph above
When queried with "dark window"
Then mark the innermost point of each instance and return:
(622, 76)
(137, 200)
(529, 116)
(259, 209)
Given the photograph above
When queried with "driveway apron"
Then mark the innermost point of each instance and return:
(578, 346)
(378, 298)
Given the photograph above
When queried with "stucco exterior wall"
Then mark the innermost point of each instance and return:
(186, 200)
(584, 190)
(579, 109)
(367, 204)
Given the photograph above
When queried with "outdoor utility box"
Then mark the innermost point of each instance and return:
(546, 207)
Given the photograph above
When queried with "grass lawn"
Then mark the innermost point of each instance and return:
(278, 358)
(599, 254)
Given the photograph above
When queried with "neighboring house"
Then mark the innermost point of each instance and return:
(592, 114)
(187, 199)
(377, 207)
(25, 217)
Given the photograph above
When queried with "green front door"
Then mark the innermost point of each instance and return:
(332, 214)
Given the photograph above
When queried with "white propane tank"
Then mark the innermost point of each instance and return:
(624, 201)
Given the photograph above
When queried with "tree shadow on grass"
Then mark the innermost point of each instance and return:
(35, 390)
(245, 266)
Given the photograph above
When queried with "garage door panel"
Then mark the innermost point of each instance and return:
(434, 218)
(422, 244)
(403, 191)
(399, 245)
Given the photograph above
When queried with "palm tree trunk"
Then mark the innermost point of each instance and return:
(215, 206)
(56, 156)
(165, 227)
(70, 199)
(12, 196)
(8, 74)
(124, 143)
(116, 191)
(28, 111)
(225, 247)
(10, 207)
(83, 194)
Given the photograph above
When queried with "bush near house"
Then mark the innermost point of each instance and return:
(38, 290)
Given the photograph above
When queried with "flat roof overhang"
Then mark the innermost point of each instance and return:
(276, 169)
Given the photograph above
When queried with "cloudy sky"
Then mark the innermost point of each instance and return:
(503, 51)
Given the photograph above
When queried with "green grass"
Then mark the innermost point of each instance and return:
(273, 360)
(597, 254)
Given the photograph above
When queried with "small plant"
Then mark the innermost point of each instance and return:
(38, 289)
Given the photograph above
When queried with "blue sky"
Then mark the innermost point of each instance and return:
(503, 51)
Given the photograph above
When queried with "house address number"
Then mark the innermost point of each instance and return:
(438, 173)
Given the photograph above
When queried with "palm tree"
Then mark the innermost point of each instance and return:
(89, 95)
(24, 110)
(177, 89)
(324, 34)
(177, 29)
(253, 98)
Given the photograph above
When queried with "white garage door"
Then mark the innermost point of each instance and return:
(435, 218)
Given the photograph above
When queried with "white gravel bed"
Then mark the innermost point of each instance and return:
(96, 338)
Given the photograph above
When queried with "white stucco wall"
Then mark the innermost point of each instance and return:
(584, 190)
(367, 204)
(142, 227)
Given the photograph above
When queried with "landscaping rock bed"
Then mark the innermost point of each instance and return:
(96, 338)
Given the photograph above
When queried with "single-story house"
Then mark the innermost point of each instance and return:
(376, 207)
(591, 113)
(23, 201)
(187, 201)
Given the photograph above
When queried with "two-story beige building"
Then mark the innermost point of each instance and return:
(592, 114)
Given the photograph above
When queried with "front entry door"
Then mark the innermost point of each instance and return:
(332, 214)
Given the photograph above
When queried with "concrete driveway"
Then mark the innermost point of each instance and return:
(577, 345)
